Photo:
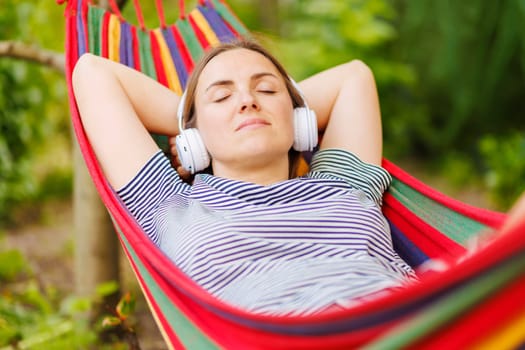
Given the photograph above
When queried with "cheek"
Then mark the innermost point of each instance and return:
(288, 121)
(211, 128)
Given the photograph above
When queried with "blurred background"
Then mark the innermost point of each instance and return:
(451, 80)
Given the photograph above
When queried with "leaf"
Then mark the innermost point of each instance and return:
(107, 288)
(12, 263)
(126, 306)
(111, 322)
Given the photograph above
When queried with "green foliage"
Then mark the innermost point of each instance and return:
(28, 320)
(318, 34)
(36, 317)
(447, 72)
(469, 57)
(33, 115)
(29, 317)
(504, 158)
(12, 264)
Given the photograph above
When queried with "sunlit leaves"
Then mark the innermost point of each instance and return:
(33, 108)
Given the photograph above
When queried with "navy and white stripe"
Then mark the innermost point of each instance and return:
(297, 246)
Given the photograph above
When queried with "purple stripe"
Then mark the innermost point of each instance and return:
(175, 56)
(126, 45)
(217, 24)
(81, 34)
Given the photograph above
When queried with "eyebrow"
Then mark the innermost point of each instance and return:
(255, 76)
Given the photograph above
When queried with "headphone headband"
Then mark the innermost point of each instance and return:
(180, 109)
(298, 89)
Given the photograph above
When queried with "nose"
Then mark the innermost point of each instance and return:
(248, 102)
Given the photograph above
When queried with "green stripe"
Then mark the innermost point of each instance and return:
(94, 22)
(190, 39)
(227, 15)
(442, 312)
(454, 225)
(147, 67)
(146, 55)
(189, 335)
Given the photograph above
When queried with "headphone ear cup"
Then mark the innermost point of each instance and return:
(305, 129)
(192, 153)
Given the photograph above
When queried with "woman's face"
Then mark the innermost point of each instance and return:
(243, 110)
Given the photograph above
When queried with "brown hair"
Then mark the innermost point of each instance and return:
(188, 111)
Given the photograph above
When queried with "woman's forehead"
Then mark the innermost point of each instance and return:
(236, 63)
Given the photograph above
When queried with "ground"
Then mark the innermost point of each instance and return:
(53, 266)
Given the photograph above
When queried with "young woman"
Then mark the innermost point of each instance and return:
(251, 233)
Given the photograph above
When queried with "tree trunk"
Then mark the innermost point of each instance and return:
(96, 244)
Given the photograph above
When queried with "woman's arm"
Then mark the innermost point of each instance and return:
(119, 107)
(347, 107)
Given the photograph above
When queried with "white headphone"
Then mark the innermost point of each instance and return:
(194, 157)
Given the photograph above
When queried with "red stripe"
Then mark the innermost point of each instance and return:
(182, 12)
(138, 12)
(160, 13)
(157, 60)
(480, 323)
(234, 336)
(487, 217)
(183, 50)
(432, 242)
(232, 29)
(104, 50)
(136, 54)
(116, 10)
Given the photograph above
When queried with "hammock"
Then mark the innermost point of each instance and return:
(477, 301)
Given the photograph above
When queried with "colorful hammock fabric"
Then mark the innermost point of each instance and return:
(477, 301)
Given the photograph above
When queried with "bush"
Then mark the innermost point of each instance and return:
(505, 166)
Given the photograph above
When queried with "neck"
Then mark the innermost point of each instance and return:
(261, 173)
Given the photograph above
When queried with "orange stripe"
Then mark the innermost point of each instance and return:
(167, 61)
(509, 337)
(204, 27)
(114, 38)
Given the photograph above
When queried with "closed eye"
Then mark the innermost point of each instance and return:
(221, 98)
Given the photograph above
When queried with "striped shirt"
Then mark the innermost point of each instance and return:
(294, 247)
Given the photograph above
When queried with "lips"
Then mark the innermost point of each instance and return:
(252, 123)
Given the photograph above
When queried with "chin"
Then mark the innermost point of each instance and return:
(270, 146)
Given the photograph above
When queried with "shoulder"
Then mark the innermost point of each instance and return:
(337, 163)
(155, 182)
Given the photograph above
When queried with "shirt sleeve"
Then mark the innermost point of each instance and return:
(156, 181)
(373, 180)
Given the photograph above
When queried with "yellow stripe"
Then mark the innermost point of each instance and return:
(147, 297)
(167, 61)
(114, 38)
(510, 337)
(204, 27)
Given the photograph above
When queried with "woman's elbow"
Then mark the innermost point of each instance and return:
(83, 71)
(357, 69)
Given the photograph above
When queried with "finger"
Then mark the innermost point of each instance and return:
(172, 140)
(183, 173)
